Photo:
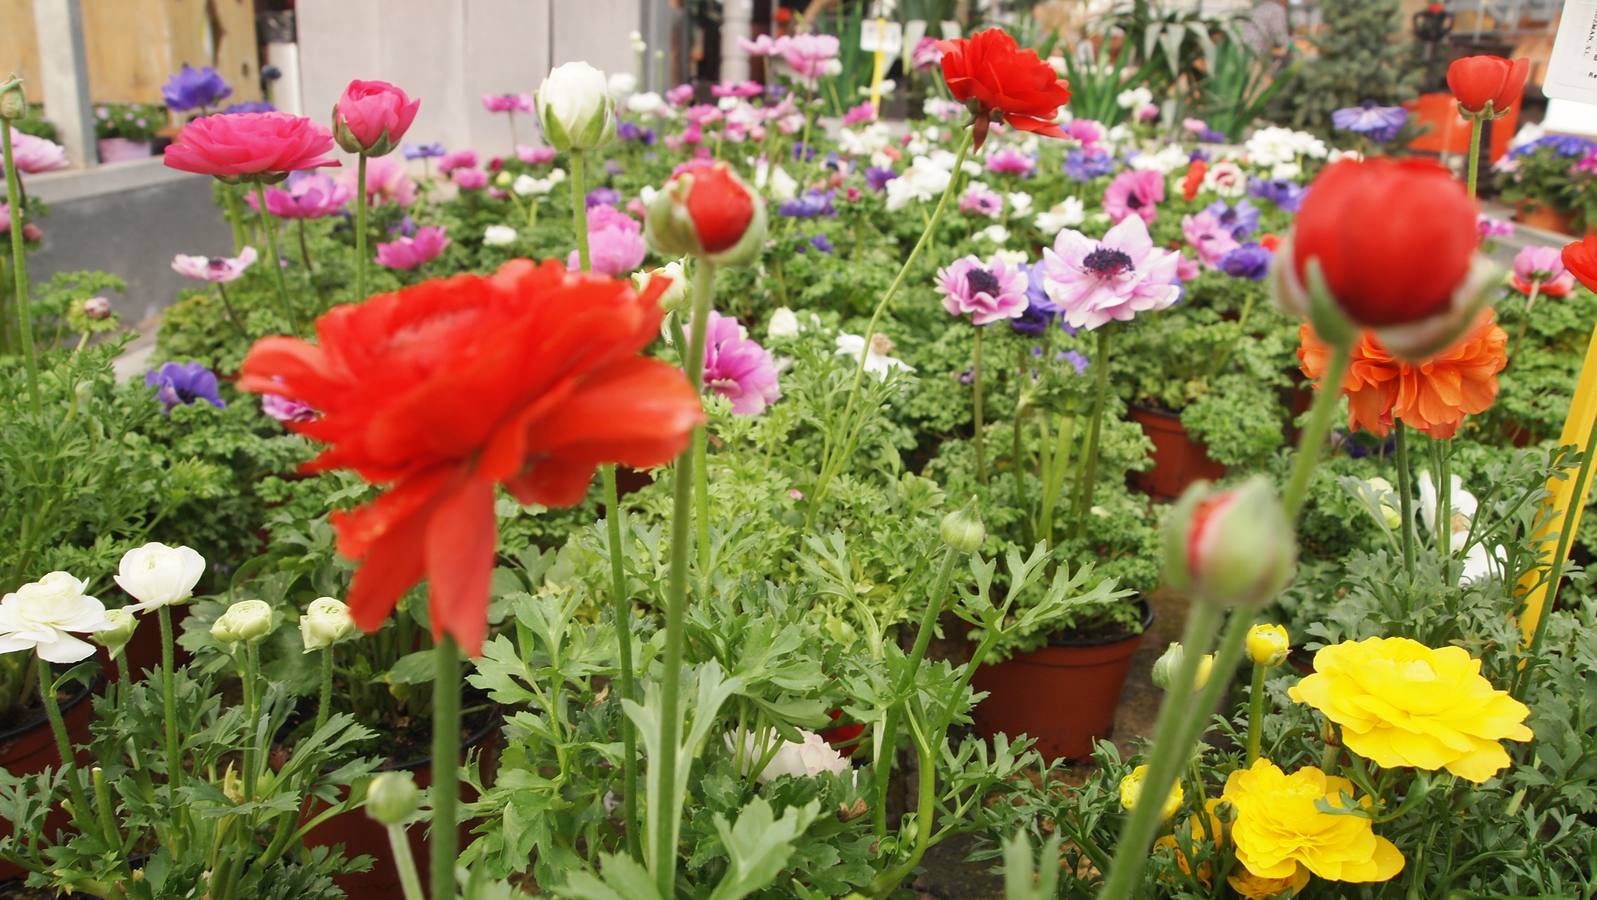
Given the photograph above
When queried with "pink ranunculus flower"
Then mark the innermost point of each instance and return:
(386, 182)
(1546, 265)
(35, 154)
(215, 269)
(251, 146)
(1009, 161)
(413, 252)
(1136, 193)
(981, 200)
(305, 195)
(1096, 282)
(986, 291)
(761, 45)
(469, 179)
(806, 55)
(615, 242)
(508, 103)
(738, 368)
(1089, 132)
(459, 159)
(928, 54)
(681, 95)
(30, 231)
(372, 116)
(1211, 239)
(1187, 269)
(284, 409)
(742, 90)
(535, 156)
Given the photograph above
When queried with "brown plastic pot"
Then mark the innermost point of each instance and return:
(1063, 695)
(1546, 218)
(29, 748)
(1178, 460)
(361, 835)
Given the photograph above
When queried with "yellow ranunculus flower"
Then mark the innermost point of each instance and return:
(1278, 827)
(1268, 645)
(1131, 790)
(1401, 703)
(1253, 887)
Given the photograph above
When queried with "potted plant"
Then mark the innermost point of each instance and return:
(126, 131)
(1544, 180)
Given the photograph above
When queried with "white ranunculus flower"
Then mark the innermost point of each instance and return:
(647, 103)
(799, 760)
(498, 236)
(1067, 213)
(783, 186)
(1226, 179)
(574, 107)
(877, 360)
(1286, 171)
(1164, 162)
(1017, 258)
(1134, 98)
(157, 575)
(525, 186)
(924, 180)
(784, 323)
(1019, 204)
(41, 616)
(623, 85)
(324, 623)
(676, 296)
(246, 620)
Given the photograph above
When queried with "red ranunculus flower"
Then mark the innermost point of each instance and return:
(1394, 239)
(250, 146)
(372, 116)
(1193, 183)
(988, 69)
(1580, 258)
(529, 378)
(1477, 80)
(706, 210)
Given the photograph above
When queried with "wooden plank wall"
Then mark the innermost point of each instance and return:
(133, 46)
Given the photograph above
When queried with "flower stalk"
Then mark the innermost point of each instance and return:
(361, 202)
(276, 259)
(975, 383)
(1405, 498)
(174, 755)
(19, 267)
(1087, 484)
(445, 836)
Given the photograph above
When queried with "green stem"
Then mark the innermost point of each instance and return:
(1555, 572)
(832, 459)
(102, 806)
(1167, 758)
(232, 314)
(275, 259)
(1405, 499)
(623, 614)
(310, 267)
(976, 437)
(701, 505)
(82, 813)
(579, 205)
(906, 682)
(1056, 477)
(445, 836)
(1519, 333)
(1313, 436)
(925, 817)
(19, 266)
(174, 756)
(361, 202)
(324, 700)
(250, 676)
(1444, 508)
(1087, 485)
(665, 856)
(1016, 446)
(409, 881)
(1472, 174)
(1255, 712)
(235, 217)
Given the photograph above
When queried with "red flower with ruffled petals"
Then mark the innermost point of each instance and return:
(1580, 258)
(530, 378)
(991, 73)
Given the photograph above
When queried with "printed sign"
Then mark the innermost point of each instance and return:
(877, 35)
(1572, 68)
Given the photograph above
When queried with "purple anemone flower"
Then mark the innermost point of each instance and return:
(1287, 195)
(191, 88)
(877, 178)
(423, 151)
(604, 196)
(1378, 123)
(1040, 311)
(1241, 219)
(1249, 261)
(808, 205)
(1085, 165)
(985, 291)
(822, 243)
(249, 106)
(184, 383)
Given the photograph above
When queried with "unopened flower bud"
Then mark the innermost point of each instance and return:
(13, 102)
(1231, 547)
(1268, 645)
(677, 297)
(123, 624)
(326, 622)
(575, 107)
(962, 529)
(1131, 793)
(97, 308)
(706, 210)
(848, 812)
(246, 620)
(392, 797)
(1169, 663)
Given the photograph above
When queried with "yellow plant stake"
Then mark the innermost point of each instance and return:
(879, 69)
(1559, 529)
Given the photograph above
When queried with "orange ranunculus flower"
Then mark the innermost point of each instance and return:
(1433, 396)
(530, 378)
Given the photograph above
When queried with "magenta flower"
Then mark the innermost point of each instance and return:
(987, 292)
(386, 181)
(507, 103)
(1089, 132)
(615, 242)
(761, 45)
(1134, 193)
(35, 154)
(469, 179)
(1010, 161)
(1491, 228)
(981, 200)
(806, 55)
(1546, 265)
(532, 156)
(1095, 282)
(284, 409)
(861, 113)
(928, 54)
(305, 195)
(459, 159)
(215, 269)
(1209, 237)
(681, 95)
(413, 252)
(737, 368)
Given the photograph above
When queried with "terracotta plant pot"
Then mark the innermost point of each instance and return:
(1178, 460)
(28, 748)
(360, 835)
(1546, 218)
(1063, 695)
(115, 150)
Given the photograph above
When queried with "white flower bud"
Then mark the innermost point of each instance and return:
(575, 107)
(325, 622)
(157, 575)
(246, 620)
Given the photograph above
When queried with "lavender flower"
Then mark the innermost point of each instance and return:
(1378, 123)
(808, 205)
(631, 131)
(603, 196)
(1562, 144)
(1249, 261)
(822, 243)
(249, 106)
(1085, 165)
(1096, 282)
(1241, 220)
(1287, 195)
(284, 409)
(878, 177)
(191, 88)
(1040, 311)
(184, 383)
(423, 151)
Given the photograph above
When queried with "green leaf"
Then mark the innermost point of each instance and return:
(759, 845)
(412, 668)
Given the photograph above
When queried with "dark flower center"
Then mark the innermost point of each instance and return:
(1133, 201)
(982, 281)
(1107, 262)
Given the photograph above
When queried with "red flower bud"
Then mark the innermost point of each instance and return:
(706, 210)
(1580, 258)
(1194, 180)
(1232, 547)
(1478, 80)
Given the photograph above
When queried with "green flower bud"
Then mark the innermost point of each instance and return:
(123, 624)
(13, 102)
(962, 529)
(246, 620)
(1169, 662)
(1230, 547)
(326, 622)
(392, 797)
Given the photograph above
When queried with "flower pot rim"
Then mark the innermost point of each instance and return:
(496, 718)
(1147, 620)
(85, 691)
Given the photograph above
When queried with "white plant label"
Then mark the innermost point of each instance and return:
(877, 35)
(1572, 67)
